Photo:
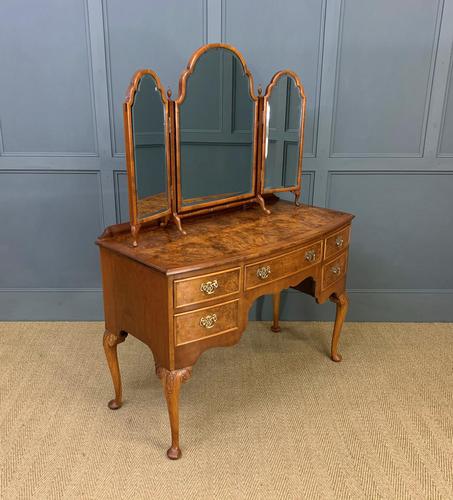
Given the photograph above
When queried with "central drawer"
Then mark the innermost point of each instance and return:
(279, 267)
(207, 322)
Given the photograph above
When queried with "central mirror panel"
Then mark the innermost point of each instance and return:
(216, 142)
(149, 148)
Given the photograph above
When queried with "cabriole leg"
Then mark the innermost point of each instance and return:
(276, 303)
(171, 383)
(342, 303)
(111, 341)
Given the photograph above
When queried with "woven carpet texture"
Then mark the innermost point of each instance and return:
(270, 418)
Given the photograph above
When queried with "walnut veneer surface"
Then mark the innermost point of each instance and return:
(183, 294)
(225, 237)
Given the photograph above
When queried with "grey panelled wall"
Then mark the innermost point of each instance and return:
(379, 137)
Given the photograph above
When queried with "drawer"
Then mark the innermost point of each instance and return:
(284, 265)
(337, 242)
(195, 290)
(206, 322)
(334, 270)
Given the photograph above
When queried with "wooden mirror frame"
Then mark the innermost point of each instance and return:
(135, 221)
(296, 189)
(175, 210)
(227, 201)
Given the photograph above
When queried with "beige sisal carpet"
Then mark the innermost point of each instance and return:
(271, 418)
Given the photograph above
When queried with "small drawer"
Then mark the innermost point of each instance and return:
(334, 270)
(337, 242)
(206, 322)
(282, 266)
(195, 290)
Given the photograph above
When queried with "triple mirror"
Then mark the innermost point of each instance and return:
(217, 145)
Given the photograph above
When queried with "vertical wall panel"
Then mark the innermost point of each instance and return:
(272, 40)
(142, 34)
(397, 242)
(385, 59)
(446, 135)
(46, 98)
(51, 219)
(121, 197)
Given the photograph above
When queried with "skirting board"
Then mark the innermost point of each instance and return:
(365, 305)
(50, 304)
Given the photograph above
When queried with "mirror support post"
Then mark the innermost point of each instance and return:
(177, 221)
(261, 203)
(135, 228)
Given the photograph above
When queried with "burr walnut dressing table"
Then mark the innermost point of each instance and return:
(207, 233)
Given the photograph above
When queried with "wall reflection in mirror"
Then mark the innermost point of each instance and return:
(216, 130)
(282, 147)
(148, 125)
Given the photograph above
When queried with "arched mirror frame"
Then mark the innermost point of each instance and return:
(227, 201)
(135, 221)
(296, 189)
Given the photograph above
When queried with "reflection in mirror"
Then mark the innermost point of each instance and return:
(216, 120)
(282, 153)
(148, 125)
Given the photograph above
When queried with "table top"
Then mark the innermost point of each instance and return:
(227, 237)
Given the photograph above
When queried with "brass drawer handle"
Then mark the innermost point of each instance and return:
(209, 287)
(208, 321)
(263, 272)
(339, 242)
(336, 269)
(310, 255)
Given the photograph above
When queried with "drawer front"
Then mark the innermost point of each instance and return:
(337, 242)
(334, 270)
(195, 290)
(206, 322)
(284, 265)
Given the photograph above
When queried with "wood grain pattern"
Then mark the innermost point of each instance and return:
(334, 270)
(137, 301)
(283, 265)
(151, 204)
(337, 242)
(206, 322)
(190, 291)
(226, 237)
(140, 300)
(111, 341)
(142, 294)
(342, 302)
(171, 383)
(222, 261)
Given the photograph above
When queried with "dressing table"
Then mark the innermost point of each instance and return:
(208, 234)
